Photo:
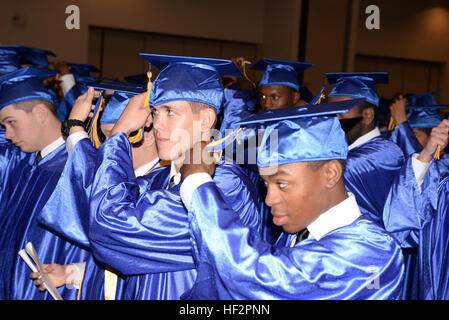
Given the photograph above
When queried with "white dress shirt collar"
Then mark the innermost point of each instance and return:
(174, 173)
(141, 171)
(343, 214)
(365, 138)
(52, 147)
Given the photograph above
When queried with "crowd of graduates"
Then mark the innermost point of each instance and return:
(201, 184)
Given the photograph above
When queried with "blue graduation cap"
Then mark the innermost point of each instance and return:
(424, 111)
(9, 61)
(140, 78)
(299, 134)
(88, 80)
(30, 55)
(189, 79)
(114, 108)
(357, 85)
(82, 69)
(122, 93)
(25, 84)
(280, 72)
(310, 133)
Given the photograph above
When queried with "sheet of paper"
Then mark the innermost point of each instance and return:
(27, 260)
(47, 281)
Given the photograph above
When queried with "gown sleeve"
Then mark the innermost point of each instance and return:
(234, 263)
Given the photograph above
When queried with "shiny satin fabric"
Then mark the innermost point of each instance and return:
(138, 232)
(419, 220)
(313, 138)
(356, 87)
(14, 93)
(404, 137)
(236, 109)
(71, 196)
(9, 61)
(3, 140)
(25, 188)
(280, 74)
(357, 261)
(370, 170)
(424, 117)
(188, 82)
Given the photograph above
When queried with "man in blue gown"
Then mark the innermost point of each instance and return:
(329, 249)
(373, 161)
(72, 192)
(144, 233)
(279, 88)
(412, 130)
(30, 168)
(416, 214)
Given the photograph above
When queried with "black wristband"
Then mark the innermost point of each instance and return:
(69, 123)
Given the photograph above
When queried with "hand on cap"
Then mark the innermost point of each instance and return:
(82, 108)
(197, 160)
(438, 137)
(83, 105)
(134, 117)
(397, 109)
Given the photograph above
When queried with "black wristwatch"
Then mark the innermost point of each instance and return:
(67, 124)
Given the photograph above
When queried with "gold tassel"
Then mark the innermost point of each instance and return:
(137, 137)
(93, 134)
(392, 124)
(437, 153)
(244, 63)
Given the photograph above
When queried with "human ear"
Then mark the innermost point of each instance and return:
(207, 118)
(41, 112)
(332, 173)
(296, 97)
(368, 116)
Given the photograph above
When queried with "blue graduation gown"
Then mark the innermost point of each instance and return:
(25, 188)
(370, 169)
(239, 105)
(404, 137)
(147, 232)
(418, 220)
(71, 196)
(3, 139)
(234, 263)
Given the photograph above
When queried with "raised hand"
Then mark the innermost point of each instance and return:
(438, 137)
(397, 109)
(134, 117)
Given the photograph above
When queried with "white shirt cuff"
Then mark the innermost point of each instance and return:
(76, 271)
(190, 184)
(420, 169)
(74, 138)
(67, 83)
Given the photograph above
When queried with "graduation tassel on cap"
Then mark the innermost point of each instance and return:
(321, 96)
(244, 63)
(221, 144)
(437, 153)
(93, 126)
(392, 124)
(139, 136)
